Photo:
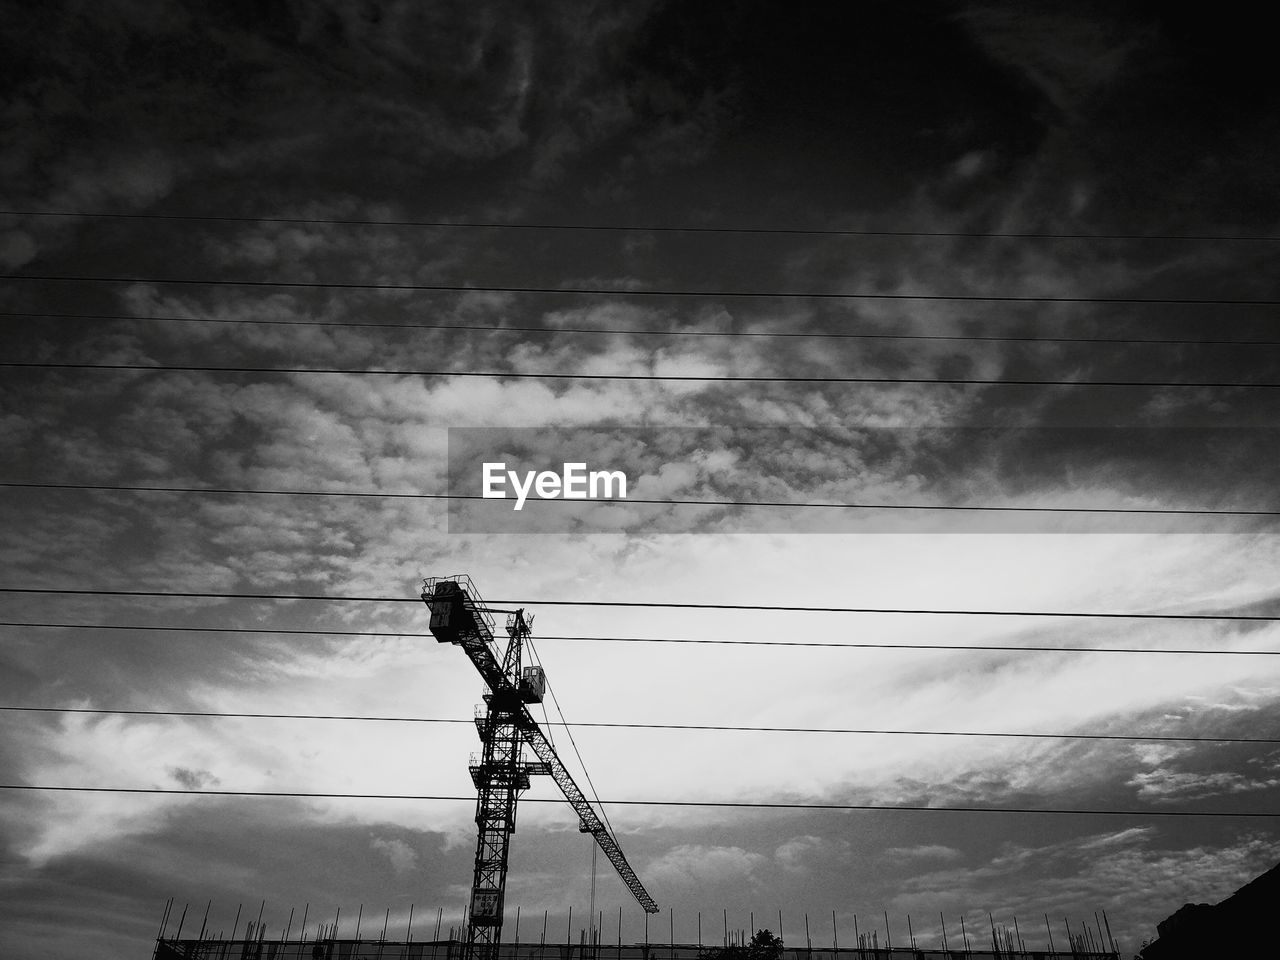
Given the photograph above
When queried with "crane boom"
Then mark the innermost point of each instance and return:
(589, 821)
(459, 616)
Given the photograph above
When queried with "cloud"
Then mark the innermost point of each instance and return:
(1135, 872)
(1178, 772)
(688, 865)
(404, 859)
(1162, 784)
(1087, 51)
(795, 854)
(193, 779)
(924, 851)
(1120, 838)
(433, 86)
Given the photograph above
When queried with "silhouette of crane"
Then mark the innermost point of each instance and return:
(458, 615)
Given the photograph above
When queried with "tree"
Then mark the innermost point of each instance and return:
(763, 946)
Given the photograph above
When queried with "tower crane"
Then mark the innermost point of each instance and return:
(459, 616)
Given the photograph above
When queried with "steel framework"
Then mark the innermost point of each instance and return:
(459, 616)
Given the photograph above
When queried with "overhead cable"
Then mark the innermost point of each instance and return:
(788, 608)
(461, 224)
(392, 495)
(630, 291)
(680, 378)
(725, 728)
(849, 645)
(723, 804)
(636, 331)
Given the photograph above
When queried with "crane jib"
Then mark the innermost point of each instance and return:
(587, 814)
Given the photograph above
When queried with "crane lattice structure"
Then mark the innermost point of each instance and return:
(458, 615)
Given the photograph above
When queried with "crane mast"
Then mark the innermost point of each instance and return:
(459, 616)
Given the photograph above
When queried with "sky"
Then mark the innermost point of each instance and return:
(1036, 192)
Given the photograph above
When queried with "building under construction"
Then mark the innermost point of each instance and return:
(372, 949)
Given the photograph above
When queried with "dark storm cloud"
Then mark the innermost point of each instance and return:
(128, 105)
(1160, 113)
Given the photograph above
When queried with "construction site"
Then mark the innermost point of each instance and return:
(501, 773)
(456, 949)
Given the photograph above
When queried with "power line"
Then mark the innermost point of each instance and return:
(694, 378)
(635, 228)
(727, 804)
(371, 494)
(938, 611)
(255, 631)
(901, 610)
(728, 728)
(986, 647)
(851, 645)
(640, 292)
(635, 331)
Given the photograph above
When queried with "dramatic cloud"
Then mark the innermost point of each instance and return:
(343, 231)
